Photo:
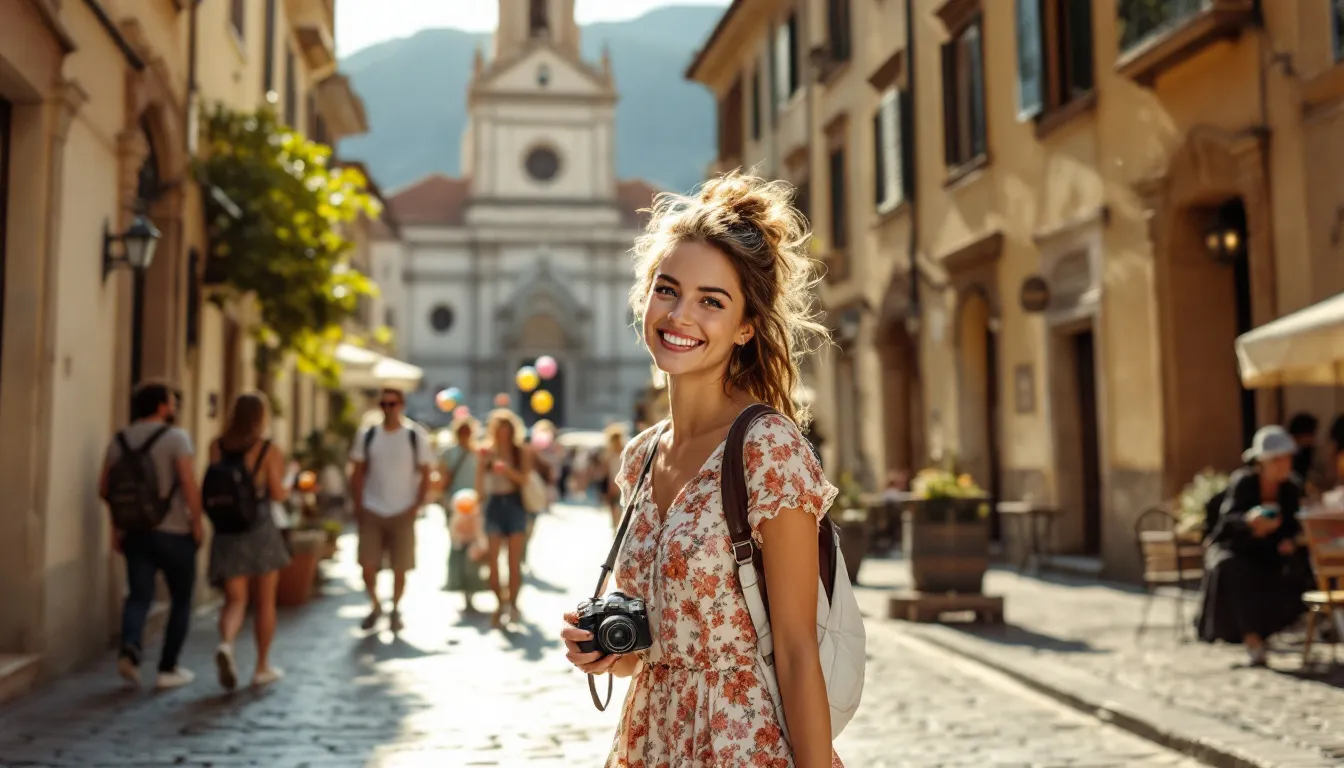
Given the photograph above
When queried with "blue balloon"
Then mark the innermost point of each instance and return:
(454, 394)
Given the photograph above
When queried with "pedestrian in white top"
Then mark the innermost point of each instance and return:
(391, 479)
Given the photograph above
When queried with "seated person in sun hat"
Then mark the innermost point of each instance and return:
(1248, 592)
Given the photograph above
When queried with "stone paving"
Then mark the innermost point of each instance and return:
(1090, 628)
(451, 692)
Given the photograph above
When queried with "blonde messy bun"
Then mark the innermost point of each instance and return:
(754, 223)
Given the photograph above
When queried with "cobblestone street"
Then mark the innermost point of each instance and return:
(450, 692)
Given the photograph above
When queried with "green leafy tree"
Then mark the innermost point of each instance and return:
(277, 231)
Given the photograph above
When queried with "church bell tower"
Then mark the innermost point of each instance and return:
(524, 22)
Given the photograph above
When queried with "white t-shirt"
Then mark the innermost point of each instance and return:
(392, 470)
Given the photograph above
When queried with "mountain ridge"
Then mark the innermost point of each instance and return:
(665, 132)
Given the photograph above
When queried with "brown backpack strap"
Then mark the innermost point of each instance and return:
(733, 488)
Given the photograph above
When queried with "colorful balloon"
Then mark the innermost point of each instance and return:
(455, 394)
(307, 480)
(502, 400)
(547, 367)
(527, 378)
(466, 502)
(445, 400)
(542, 401)
(461, 412)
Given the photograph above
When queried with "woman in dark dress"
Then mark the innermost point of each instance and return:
(1248, 595)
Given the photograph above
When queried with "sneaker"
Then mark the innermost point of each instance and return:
(371, 620)
(228, 671)
(267, 676)
(128, 669)
(394, 621)
(176, 678)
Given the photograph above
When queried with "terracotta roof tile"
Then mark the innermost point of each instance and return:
(631, 195)
(435, 199)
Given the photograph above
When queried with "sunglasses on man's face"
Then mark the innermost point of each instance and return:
(386, 404)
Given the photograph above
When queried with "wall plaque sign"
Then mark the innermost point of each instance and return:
(1035, 294)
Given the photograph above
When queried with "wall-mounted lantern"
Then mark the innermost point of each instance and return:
(1225, 237)
(138, 244)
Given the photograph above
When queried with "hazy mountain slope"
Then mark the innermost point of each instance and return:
(414, 91)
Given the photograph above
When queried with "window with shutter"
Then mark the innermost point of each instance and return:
(888, 152)
(237, 17)
(976, 78)
(879, 161)
(1337, 24)
(837, 18)
(783, 64)
(1030, 69)
(964, 132)
(793, 55)
(839, 216)
(756, 104)
(1054, 55)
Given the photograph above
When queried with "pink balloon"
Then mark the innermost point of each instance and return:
(547, 367)
(541, 440)
(461, 412)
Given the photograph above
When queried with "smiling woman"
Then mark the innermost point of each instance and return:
(723, 286)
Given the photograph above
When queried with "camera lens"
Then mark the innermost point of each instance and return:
(617, 634)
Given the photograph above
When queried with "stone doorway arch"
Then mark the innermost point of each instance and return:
(1203, 304)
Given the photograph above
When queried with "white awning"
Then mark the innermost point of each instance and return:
(365, 369)
(1305, 347)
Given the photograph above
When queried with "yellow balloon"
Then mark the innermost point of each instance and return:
(542, 401)
(528, 379)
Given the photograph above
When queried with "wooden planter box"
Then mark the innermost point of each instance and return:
(297, 578)
(946, 542)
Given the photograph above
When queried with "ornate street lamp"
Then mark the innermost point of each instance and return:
(138, 244)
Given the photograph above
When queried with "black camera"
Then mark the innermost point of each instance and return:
(619, 623)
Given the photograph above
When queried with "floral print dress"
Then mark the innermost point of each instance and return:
(699, 698)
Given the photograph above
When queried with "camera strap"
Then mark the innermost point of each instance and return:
(610, 564)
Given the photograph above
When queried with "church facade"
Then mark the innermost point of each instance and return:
(528, 252)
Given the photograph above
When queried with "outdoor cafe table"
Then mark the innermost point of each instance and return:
(1032, 518)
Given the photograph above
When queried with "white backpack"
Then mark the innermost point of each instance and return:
(840, 633)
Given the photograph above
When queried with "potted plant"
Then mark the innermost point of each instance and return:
(850, 515)
(1193, 503)
(946, 532)
(297, 579)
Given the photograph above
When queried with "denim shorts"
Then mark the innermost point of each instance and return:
(505, 515)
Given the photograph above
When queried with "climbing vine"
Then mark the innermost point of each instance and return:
(277, 212)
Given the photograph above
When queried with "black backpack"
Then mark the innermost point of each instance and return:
(415, 446)
(133, 487)
(229, 491)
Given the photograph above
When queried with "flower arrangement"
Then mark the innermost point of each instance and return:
(1190, 506)
(936, 483)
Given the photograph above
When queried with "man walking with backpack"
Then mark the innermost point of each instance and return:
(149, 484)
(390, 482)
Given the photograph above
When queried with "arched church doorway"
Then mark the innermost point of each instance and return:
(978, 398)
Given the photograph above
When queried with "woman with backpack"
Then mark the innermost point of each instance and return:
(722, 285)
(246, 475)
